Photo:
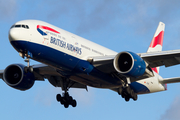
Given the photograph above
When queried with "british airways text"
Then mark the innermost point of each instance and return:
(65, 45)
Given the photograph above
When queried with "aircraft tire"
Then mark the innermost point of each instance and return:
(135, 97)
(66, 105)
(127, 98)
(74, 103)
(58, 97)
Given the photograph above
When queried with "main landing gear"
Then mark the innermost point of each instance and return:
(66, 100)
(127, 93)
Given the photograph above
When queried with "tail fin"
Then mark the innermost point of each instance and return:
(157, 42)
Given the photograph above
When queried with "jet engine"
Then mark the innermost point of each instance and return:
(15, 76)
(129, 64)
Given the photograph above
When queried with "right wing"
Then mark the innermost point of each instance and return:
(43, 71)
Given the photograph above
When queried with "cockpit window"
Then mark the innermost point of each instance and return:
(17, 26)
(27, 26)
(20, 26)
(23, 26)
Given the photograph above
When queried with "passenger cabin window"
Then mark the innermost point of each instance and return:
(20, 26)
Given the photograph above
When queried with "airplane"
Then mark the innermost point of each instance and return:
(69, 61)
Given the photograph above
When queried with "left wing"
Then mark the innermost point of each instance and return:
(154, 59)
(167, 58)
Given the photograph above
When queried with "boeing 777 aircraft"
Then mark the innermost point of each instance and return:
(69, 61)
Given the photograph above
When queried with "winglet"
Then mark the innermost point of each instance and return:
(157, 41)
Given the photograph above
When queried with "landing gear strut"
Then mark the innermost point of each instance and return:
(28, 55)
(66, 100)
(127, 92)
(28, 68)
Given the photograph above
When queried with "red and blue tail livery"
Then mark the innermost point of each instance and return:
(70, 61)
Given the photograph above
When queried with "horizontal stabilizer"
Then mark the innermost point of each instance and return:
(170, 80)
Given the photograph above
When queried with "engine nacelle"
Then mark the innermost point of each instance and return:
(15, 76)
(129, 64)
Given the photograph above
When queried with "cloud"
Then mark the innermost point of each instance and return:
(95, 15)
(172, 113)
(8, 9)
(87, 16)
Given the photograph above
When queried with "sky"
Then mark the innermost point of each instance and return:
(116, 24)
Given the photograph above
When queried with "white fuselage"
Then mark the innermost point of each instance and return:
(48, 41)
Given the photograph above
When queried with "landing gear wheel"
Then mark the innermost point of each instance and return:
(132, 94)
(58, 97)
(28, 69)
(74, 103)
(31, 69)
(66, 105)
(127, 98)
(135, 97)
(122, 94)
(66, 100)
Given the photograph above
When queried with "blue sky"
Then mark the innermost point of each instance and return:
(116, 24)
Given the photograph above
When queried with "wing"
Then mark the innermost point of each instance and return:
(167, 58)
(43, 71)
(154, 59)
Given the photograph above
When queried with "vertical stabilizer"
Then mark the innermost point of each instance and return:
(157, 41)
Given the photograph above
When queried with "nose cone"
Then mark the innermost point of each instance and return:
(14, 37)
(13, 34)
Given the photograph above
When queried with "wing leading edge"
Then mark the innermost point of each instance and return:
(154, 59)
(167, 58)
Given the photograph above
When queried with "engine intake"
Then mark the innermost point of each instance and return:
(15, 76)
(129, 64)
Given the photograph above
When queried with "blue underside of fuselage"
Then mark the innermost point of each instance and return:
(73, 67)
